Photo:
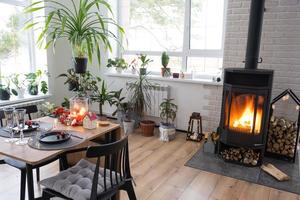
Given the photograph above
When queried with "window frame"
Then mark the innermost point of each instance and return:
(186, 50)
(30, 33)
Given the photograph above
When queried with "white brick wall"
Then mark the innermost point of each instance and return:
(280, 48)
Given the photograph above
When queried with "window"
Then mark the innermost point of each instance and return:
(17, 47)
(191, 31)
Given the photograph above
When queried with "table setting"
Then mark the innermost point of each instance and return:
(35, 133)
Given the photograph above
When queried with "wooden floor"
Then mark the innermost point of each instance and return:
(159, 172)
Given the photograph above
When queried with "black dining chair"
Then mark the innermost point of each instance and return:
(87, 180)
(18, 164)
(29, 110)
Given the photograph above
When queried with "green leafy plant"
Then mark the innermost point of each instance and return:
(5, 90)
(127, 109)
(117, 101)
(140, 94)
(168, 111)
(117, 63)
(87, 84)
(47, 108)
(18, 80)
(71, 78)
(66, 103)
(145, 60)
(165, 59)
(82, 24)
(34, 80)
(101, 96)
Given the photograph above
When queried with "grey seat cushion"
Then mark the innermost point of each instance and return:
(76, 182)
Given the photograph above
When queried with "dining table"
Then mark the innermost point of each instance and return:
(35, 158)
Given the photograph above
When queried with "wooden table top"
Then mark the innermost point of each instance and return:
(33, 156)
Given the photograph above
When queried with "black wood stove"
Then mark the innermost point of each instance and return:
(246, 99)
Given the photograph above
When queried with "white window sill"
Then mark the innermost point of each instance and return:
(27, 99)
(159, 78)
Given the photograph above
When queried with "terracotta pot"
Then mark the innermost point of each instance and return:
(80, 65)
(147, 127)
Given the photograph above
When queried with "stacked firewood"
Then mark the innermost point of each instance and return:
(282, 135)
(242, 155)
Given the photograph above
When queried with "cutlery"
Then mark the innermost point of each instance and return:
(76, 136)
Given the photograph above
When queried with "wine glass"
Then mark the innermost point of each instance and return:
(20, 119)
(10, 123)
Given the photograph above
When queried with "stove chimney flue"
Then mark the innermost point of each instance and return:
(254, 33)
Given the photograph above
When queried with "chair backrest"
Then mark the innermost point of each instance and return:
(29, 110)
(114, 158)
(1, 117)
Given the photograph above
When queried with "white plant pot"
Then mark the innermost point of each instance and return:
(21, 93)
(119, 71)
(133, 71)
(167, 133)
(128, 127)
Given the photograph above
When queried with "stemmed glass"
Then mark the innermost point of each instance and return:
(20, 118)
(10, 123)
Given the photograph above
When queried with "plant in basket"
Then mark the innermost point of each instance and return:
(168, 112)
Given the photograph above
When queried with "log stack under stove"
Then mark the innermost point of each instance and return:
(244, 156)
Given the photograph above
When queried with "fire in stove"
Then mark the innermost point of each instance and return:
(243, 115)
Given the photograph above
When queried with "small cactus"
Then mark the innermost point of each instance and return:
(165, 59)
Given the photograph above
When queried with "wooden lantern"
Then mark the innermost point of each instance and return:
(196, 135)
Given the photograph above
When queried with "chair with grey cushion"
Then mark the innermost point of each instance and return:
(87, 180)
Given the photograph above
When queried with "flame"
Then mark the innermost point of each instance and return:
(242, 114)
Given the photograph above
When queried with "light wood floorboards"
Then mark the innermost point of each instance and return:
(160, 174)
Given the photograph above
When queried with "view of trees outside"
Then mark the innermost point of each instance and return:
(153, 25)
(14, 51)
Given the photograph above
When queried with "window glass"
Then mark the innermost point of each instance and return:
(207, 24)
(204, 64)
(154, 25)
(14, 44)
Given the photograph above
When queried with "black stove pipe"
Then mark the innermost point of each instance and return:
(254, 33)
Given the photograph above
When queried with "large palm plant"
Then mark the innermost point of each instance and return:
(83, 24)
(140, 94)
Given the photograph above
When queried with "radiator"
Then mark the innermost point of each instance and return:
(158, 94)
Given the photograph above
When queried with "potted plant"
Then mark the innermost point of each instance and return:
(118, 102)
(83, 24)
(128, 122)
(168, 112)
(72, 79)
(88, 84)
(34, 80)
(145, 61)
(19, 84)
(165, 70)
(6, 91)
(101, 96)
(118, 63)
(141, 100)
(133, 65)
